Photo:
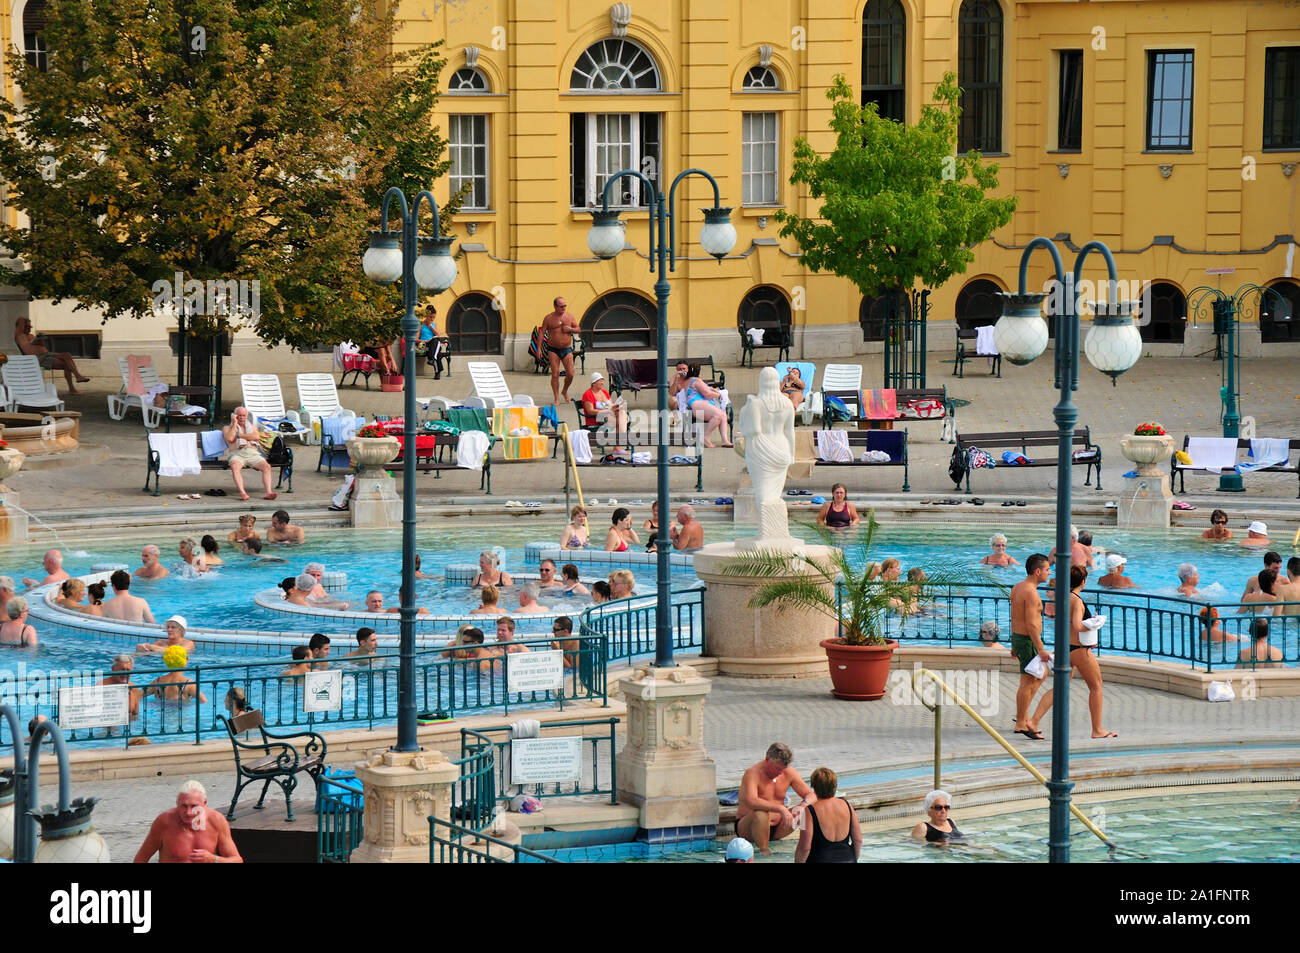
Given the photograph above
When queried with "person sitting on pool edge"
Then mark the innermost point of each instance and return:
(761, 814)
(999, 556)
(175, 628)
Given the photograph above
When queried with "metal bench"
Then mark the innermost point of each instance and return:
(642, 441)
(907, 400)
(776, 334)
(153, 464)
(966, 339)
(272, 759)
(1180, 470)
(892, 442)
(1022, 441)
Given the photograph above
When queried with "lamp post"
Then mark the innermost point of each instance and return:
(1226, 309)
(1113, 346)
(605, 239)
(425, 262)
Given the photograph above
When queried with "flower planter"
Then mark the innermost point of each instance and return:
(391, 383)
(1147, 452)
(859, 672)
(373, 451)
(11, 461)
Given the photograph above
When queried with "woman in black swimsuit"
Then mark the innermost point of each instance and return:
(1082, 659)
(16, 632)
(832, 834)
(939, 828)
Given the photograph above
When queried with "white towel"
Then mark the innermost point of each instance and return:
(470, 448)
(755, 336)
(833, 446)
(178, 454)
(1266, 452)
(984, 341)
(642, 457)
(1212, 453)
(580, 445)
(214, 443)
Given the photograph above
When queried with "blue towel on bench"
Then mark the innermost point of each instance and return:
(887, 441)
(1266, 452)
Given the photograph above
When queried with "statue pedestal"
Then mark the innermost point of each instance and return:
(663, 769)
(401, 790)
(1145, 501)
(13, 521)
(375, 503)
(744, 512)
(760, 643)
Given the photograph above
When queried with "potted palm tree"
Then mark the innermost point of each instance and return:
(860, 656)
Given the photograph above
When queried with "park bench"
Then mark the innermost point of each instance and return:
(272, 759)
(892, 442)
(154, 463)
(1026, 441)
(912, 403)
(966, 339)
(1180, 470)
(634, 442)
(776, 334)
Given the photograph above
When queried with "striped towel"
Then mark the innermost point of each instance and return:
(833, 446)
(524, 448)
(506, 419)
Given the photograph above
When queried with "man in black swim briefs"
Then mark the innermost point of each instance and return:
(560, 327)
(1027, 638)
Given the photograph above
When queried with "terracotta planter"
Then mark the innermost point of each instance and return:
(391, 384)
(373, 451)
(859, 672)
(1147, 452)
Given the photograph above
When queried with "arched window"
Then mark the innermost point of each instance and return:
(875, 311)
(619, 320)
(978, 304)
(884, 27)
(979, 71)
(474, 325)
(1168, 318)
(33, 39)
(1275, 323)
(764, 307)
(615, 66)
(760, 77)
(466, 80)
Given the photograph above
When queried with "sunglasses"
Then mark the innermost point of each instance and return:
(1219, 522)
(938, 807)
(544, 571)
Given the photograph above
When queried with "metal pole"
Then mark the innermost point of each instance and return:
(1230, 482)
(406, 734)
(663, 548)
(938, 738)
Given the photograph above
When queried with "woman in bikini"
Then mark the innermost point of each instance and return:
(701, 400)
(488, 573)
(16, 632)
(575, 535)
(839, 513)
(621, 535)
(572, 585)
(793, 386)
(1082, 659)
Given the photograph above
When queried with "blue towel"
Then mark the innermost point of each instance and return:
(1266, 452)
(341, 429)
(1013, 459)
(214, 444)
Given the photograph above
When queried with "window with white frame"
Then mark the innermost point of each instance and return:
(467, 80)
(468, 147)
(604, 143)
(758, 151)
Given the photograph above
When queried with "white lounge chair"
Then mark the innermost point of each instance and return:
(123, 400)
(263, 399)
(491, 388)
(26, 385)
(319, 398)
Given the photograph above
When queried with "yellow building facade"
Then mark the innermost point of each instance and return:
(1169, 131)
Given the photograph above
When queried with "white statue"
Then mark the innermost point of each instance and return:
(765, 436)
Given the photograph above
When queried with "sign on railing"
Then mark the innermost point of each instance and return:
(543, 760)
(535, 671)
(323, 691)
(94, 706)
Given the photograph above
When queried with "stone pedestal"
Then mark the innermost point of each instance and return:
(13, 521)
(759, 643)
(375, 503)
(744, 512)
(401, 791)
(663, 769)
(1145, 501)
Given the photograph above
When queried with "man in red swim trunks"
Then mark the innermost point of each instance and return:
(761, 814)
(560, 329)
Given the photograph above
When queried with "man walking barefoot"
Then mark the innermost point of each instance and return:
(761, 814)
(1027, 638)
(560, 328)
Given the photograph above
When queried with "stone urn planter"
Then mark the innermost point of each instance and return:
(11, 461)
(1147, 452)
(377, 452)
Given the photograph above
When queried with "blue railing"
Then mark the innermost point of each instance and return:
(339, 812)
(189, 709)
(452, 843)
(628, 625)
(599, 772)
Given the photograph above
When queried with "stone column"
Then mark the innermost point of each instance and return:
(401, 790)
(663, 769)
(375, 503)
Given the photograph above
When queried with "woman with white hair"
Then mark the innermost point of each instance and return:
(16, 632)
(999, 556)
(938, 827)
(488, 573)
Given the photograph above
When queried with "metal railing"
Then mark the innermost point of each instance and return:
(1138, 624)
(189, 709)
(472, 740)
(339, 813)
(473, 795)
(451, 843)
(629, 628)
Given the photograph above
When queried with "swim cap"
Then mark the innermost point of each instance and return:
(740, 849)
(175, 656)
(1114, 561)
(314, 567)
(305, 582)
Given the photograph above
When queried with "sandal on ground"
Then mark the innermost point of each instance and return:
(1008, 502)
(976, 501)
(1109, 734)
(1180, 505)
(1032, 735)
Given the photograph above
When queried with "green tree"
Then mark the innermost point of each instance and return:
(224, 140)
(898, 205)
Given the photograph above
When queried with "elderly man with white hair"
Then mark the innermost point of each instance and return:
(53, 565)
(1256, 536)
(1188, 580)
(191, 833)
(245, 445)
(687, 533)
(151, 568)
(1080, 555)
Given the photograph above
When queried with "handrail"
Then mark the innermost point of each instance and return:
(573, 464)
(1038, 776)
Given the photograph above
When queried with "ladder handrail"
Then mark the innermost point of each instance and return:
(573, 465)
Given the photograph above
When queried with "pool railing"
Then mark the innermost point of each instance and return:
(452, 843)
(339, 814)
(628, 625)
(473, 739)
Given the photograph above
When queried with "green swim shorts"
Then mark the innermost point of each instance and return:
(1023, 646)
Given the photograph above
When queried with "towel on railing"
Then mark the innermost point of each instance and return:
(833, 446)
(880, 404)
(214, 444)
(470, 449)
(984, 345)
(178, 454)
(341, 429)
(1266, 452)
(1212, 453)
(580, 445)
(134, 383)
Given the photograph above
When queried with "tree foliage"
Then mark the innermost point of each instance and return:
(226, 140)
(897, 204)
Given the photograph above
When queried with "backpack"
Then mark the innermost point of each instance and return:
(957, 466)
(278, 454)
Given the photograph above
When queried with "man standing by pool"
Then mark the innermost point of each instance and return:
(761, 814)
(192, 833)
(559, 328)
(1027, 638)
